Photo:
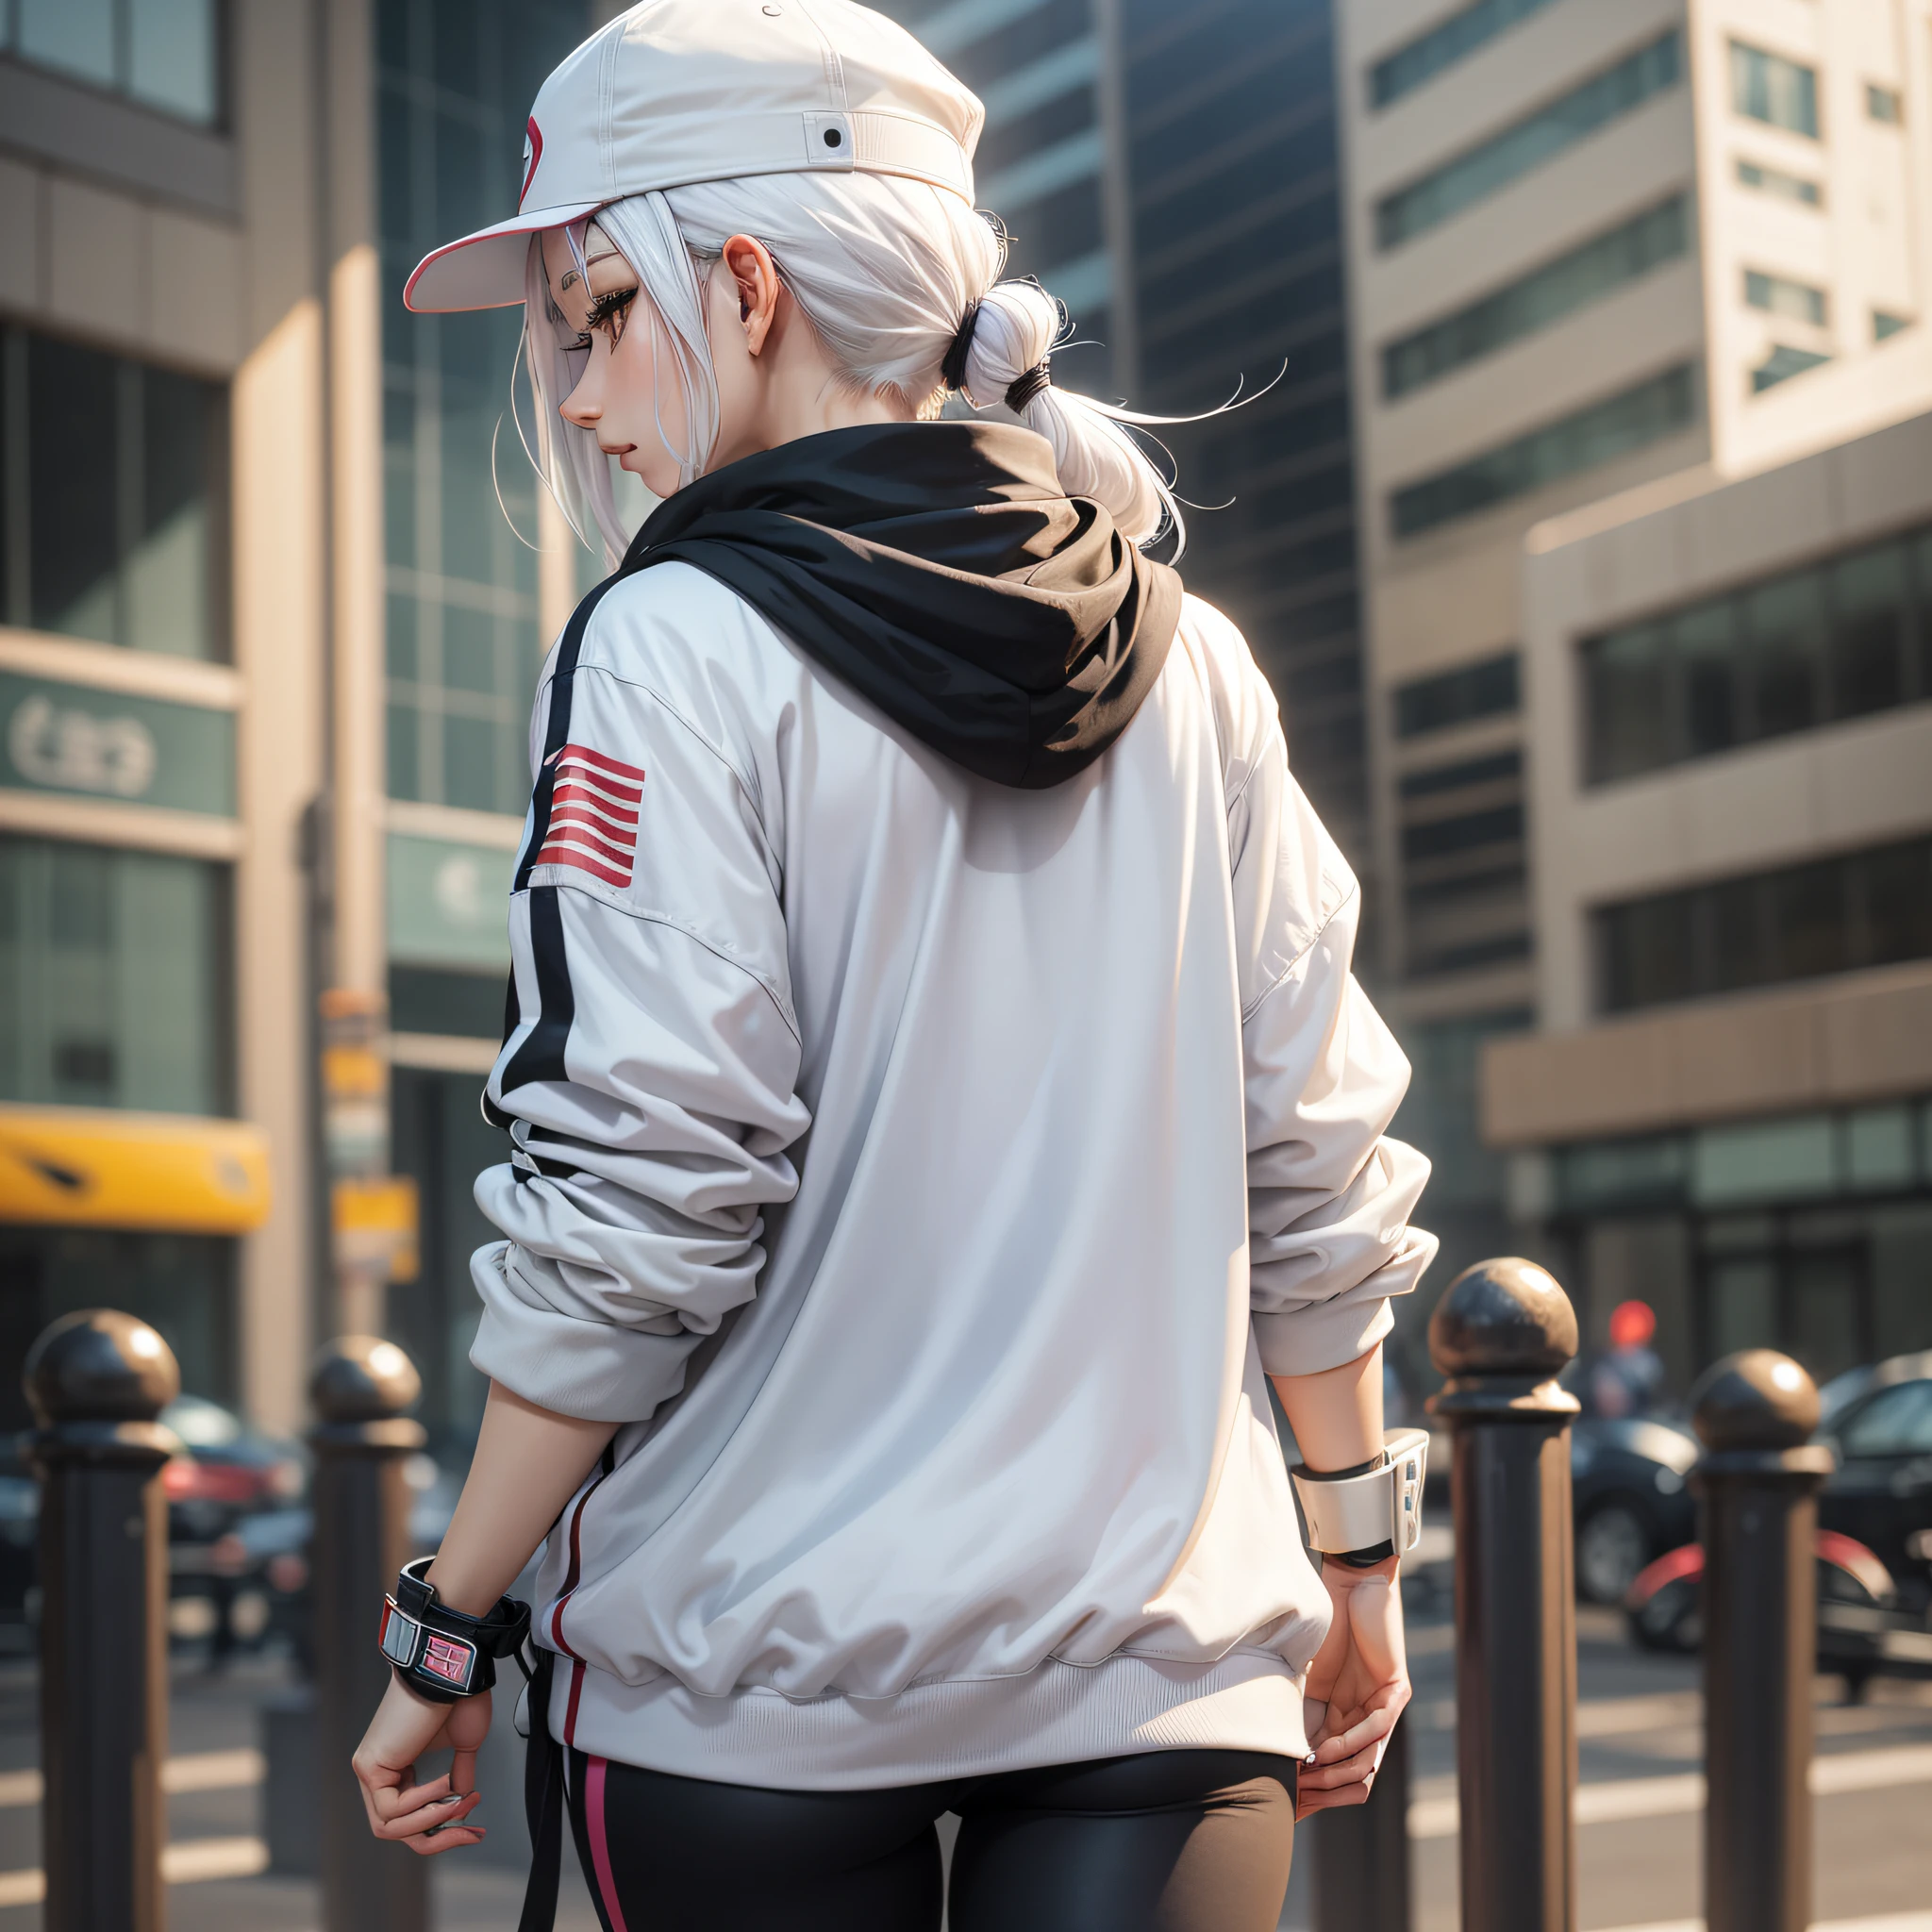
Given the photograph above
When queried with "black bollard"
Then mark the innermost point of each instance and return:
(1361, 1853)
(97, 1380)
(1501, 1333)
(362, 1440)
(1757, 1485)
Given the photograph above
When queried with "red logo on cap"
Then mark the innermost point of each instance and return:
(533, 153)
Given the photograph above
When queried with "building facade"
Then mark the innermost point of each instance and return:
(187, 296)
(267, 646)
(479, 574)
(1726, 1108)
(1589, 246)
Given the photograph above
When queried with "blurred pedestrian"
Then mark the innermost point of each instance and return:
(936, 1089)
(1629, 1378)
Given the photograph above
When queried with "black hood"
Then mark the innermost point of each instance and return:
(939, 570)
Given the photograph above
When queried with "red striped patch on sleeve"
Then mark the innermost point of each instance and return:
(592, 823)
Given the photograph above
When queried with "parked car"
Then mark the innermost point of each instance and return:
(1879, 1422)
(1875, 1535)
(223, 1579)
(223, 1492)
(1632, 1500)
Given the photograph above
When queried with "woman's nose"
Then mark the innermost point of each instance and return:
(581, 407)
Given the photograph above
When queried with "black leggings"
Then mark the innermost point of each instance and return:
(1168, 1841)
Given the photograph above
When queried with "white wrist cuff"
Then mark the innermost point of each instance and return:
(1362, 1512)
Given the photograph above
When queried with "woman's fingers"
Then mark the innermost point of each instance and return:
(450, 1838)
(427, 1817)
(1351, 1770)
(1348, 1731)
(430, 1817)
(1330, 1801)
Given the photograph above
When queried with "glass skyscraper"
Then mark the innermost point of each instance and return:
(1172, 176)
(463, 637)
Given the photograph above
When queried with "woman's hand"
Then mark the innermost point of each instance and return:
(426, 1818)
(1356, 1687)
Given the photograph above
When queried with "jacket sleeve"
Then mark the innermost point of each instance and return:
(1329, 1194)
(647, 1080)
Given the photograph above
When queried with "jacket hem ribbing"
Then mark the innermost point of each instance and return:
(1057, 1714)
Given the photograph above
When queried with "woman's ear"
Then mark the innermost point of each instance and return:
(750, 266)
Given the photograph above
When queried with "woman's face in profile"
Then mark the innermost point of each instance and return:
(618, 396)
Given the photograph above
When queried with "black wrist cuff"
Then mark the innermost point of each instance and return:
(1378, 1460)
(443, 1654)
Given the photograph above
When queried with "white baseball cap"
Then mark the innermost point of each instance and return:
(676, 91)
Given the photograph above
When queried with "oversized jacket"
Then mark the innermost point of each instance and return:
(924, 1173)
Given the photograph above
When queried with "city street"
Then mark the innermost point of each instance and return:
(1637, 1812)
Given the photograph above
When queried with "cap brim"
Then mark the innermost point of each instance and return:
(484, 270)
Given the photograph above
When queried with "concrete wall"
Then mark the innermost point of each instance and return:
(1834, 788)
(1863, 1037)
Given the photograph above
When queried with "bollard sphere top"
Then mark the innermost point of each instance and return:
(1507, 1317)
(98, 1365)
(361, 1378)
(1757, 1399)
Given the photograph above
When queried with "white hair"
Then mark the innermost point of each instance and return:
(886, 270)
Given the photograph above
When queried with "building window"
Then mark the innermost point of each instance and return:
(1767, 87)
(113, 978)
(1839, 640)
(113, 499)
(1776, 181)
(1463, 872)
(1884, 104)
(1799, 921)
(1781, 363)
(1632, 420)
(1780, 295)
(1440, 47)
(1486, 689)
(1441, 1111)
(1487, 169)
(1885, 325)
(459, 499)
(164, 54)
(1546, 295)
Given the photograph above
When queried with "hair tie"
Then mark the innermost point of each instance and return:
(1027, 385)
(952, 369)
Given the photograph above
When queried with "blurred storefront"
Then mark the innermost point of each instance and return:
(1726, 1110)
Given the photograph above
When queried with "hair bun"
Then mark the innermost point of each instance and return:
(1013, 331)
(1013, 334)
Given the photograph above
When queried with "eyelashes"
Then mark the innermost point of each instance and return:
(607, 312)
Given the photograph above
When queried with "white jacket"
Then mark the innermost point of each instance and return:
(924, 1172)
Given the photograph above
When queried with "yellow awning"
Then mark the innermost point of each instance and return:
(91, 1167)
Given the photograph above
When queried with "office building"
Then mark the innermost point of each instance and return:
(246, 508)
(183, 260)
(479, 573)
(1726, 1108)
(1589, 246)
